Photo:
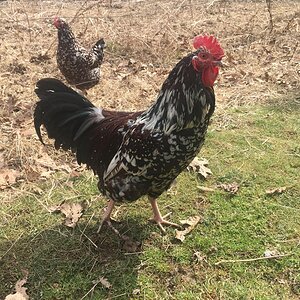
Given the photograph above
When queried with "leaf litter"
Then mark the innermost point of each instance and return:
(8, 177)
(105, 283)
(199, 165)
(20, 293)
(190, 224)
(276, 191)
(231, 188)
(72, 212)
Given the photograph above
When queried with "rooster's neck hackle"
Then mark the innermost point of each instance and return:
(180, 102)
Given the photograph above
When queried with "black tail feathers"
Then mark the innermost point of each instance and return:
(100, 44)
(65, 114)
(51, 85)
(98, 49)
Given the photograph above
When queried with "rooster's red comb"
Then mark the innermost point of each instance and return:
(210, 43)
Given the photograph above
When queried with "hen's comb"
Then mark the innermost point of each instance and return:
(210, 43)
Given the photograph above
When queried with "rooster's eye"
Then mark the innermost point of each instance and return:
(203, 55)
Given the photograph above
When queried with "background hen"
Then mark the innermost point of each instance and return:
(141, 153)
(81, 67)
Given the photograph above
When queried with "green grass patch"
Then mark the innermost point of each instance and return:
(259, 151)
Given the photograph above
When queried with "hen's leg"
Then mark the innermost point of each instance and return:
(106, 215)
(158, 218)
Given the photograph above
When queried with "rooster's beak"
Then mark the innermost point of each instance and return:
(217, 63)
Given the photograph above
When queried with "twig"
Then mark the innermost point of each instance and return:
(87, 225)
(294, 51)
(268, 2)
(117, 296)
(12, 245)
(288, 241)
(191, 9)
(251, 259)
(91, 290)
(54, 40)
(82, 233)
(80, 11)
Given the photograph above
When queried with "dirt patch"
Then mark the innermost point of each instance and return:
(144, 41)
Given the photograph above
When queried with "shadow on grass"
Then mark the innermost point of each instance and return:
(64, 263)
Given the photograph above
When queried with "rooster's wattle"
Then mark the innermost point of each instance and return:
(137, 153)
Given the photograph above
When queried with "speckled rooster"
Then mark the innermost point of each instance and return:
(80, 67)
(137, 153)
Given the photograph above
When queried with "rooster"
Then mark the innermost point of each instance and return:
(79, 66)
(136, 153)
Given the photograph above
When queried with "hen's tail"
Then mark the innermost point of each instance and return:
(98, 49)
(66, 116)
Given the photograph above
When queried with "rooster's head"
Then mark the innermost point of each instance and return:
(207, 58)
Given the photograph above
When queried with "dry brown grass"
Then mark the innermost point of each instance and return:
(145, 39)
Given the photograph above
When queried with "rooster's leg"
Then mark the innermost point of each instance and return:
(158, 218)
(106, 216)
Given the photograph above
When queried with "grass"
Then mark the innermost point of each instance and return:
(259, 150)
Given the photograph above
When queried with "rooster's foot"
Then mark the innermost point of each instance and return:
(106, 217)
(160, 221)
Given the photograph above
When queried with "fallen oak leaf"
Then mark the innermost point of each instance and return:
(136, 292)
(275, 191)
(20, 293)
(46, 161)
(270, 253)
(103, 281)
(54, 208)
(8, 177)
(47, 174)
(198, 256)
(199, 166)
(231, 188)
(72, 212)
(191, 222)
(129, 245)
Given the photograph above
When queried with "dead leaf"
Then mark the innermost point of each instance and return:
(199, 166)
(46, 174)
(72, 211)
(20, 291)
(270, 253)
(191, 222)
(8, 177)
(28, 132)
(231, 188)
(103, 281)
(31, 173)
(136, 292)
(74, 174)
(198, 256)
(275, 191)
(130, 245)
(54, 208)
(46, 161)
